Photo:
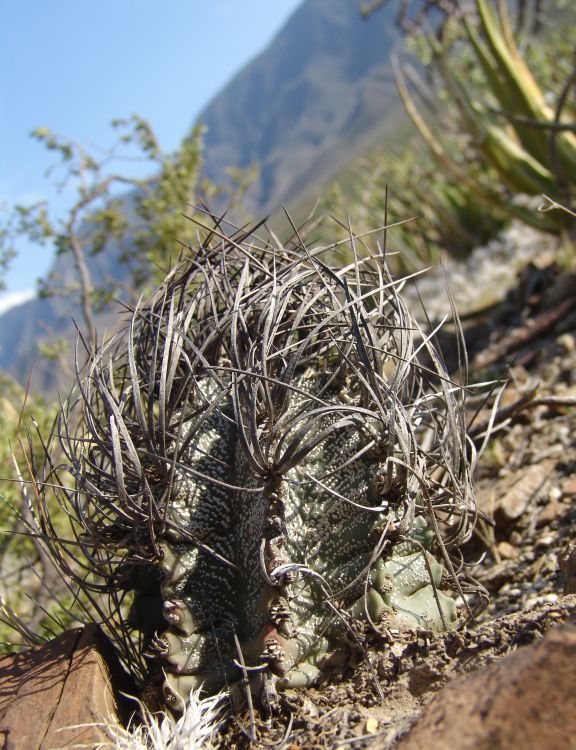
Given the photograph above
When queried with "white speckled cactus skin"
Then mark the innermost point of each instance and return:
(270, 451)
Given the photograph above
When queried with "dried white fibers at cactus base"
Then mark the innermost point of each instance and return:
(270, 452)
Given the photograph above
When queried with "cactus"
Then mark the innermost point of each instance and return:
(269, 452)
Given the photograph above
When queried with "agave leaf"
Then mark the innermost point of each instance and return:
(512, 65)
(491, 197)
(509, 98)
(519, 89)
(517, 168)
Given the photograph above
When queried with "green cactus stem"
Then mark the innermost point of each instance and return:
(270, 452)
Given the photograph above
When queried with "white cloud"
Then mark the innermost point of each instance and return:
(13, 299)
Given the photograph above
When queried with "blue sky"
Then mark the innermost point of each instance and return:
(74, 65)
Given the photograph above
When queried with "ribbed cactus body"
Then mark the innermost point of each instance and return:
(269, 452)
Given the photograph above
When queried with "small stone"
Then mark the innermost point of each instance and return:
(543, 564)
(546, 541)
(567, 564)
(507, 551)
(569, 487)
(499, 575)
(550, 513)
(567, 342)
(554, 493)
(519, 489)
(372, 725)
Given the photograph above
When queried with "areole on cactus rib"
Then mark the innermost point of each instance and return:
(267, 453)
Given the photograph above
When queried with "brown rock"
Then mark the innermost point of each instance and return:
(550, 513)
(569, 487)
(519, 488)
(49, 691)
(526, 700)
(507, 551)
(568, 567)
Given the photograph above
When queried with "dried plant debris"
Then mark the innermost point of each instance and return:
(269, 455)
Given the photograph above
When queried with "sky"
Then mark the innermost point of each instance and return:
(75, 65)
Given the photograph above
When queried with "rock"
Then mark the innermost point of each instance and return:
(500, 574)
(550, 513)
(49, 691)
(569, 487)
(372, 725)
(567, 563)
(525, 700)
(519, 489)
(507, 551)
(567, 342)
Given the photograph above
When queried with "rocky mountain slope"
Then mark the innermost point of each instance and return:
(314, 99)
(502, 681)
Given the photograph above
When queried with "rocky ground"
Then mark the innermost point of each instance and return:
(505, 681)
(526, 485)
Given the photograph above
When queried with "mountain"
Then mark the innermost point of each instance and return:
(318, 96)
(320, 92)
(23, 327)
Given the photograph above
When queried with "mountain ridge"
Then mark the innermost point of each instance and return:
(333, 70)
